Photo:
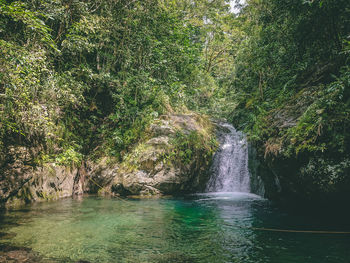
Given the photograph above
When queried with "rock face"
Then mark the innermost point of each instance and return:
(305, 179)
(100, 175)
(175, 158)
(21, 182)
(45, 183)
(317, 180)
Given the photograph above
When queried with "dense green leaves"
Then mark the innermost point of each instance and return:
(78, 77)
(290, 79)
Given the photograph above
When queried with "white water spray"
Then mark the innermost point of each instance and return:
(230, 165)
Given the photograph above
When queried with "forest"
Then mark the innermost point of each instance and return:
(187, 131)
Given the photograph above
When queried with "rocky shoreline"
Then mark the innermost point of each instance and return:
(174, 157)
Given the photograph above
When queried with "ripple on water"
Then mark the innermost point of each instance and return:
(214, 227)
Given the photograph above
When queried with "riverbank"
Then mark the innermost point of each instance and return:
(173, 157)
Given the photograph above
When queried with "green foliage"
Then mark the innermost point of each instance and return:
(95, 74)
(86, 78)
(278, 70)
(33, 21)
(186, 146)
(291, 76)
(69, 157)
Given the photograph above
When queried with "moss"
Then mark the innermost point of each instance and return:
(180, 143)
(187, 147)
(103, 191)
(50, 196)
(15, 203)
(132, 160)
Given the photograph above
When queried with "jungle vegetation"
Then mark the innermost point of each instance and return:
(84, 78)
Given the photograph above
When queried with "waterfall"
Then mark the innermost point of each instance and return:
(230, 165)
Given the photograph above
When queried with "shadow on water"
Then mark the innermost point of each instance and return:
(214, 227)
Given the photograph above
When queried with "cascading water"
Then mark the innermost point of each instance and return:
(230, 165)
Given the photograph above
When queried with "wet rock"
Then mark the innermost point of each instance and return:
(120, 189)
(100, 175)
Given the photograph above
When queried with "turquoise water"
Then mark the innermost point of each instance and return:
(211, 228)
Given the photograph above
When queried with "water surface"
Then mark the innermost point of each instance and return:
(215, 228)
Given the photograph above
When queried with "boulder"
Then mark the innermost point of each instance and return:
(50, 182)
(156, 166)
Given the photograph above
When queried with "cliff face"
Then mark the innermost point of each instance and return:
(172, 158)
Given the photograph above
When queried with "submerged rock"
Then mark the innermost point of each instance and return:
(19, 255)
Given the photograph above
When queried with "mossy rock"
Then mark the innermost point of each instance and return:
(174, 157)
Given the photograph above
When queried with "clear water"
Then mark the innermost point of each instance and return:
(213, 228)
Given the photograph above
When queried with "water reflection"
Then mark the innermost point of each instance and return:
(215, 227)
